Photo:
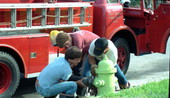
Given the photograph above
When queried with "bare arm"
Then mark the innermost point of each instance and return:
(80, 83)
(93, 64)
(91, 60)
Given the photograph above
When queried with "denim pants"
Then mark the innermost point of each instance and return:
(68, 88)
(119, 74)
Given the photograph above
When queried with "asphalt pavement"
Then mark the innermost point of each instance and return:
(142, 70)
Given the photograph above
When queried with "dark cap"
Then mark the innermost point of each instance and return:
(100, 45)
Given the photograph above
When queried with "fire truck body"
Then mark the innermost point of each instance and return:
(151, 25)
(25, 47)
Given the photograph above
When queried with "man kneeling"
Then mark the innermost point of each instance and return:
(53, 78)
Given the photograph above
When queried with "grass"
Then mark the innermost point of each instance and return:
(150, 90)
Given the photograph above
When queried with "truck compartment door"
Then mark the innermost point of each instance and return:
(39, 53)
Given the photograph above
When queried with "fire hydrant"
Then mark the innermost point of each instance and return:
(105, 80)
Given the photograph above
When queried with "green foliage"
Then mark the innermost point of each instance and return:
(150, 90)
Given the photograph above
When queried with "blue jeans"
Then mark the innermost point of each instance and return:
(68, 88)
(119, 74)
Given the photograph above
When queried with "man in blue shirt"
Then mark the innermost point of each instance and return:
(53, 78)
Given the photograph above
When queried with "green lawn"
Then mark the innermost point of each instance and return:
(151, 90)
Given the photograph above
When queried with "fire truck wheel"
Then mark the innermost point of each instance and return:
(123, 54)
(9, 75)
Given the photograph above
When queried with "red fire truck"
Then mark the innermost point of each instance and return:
(25, 47)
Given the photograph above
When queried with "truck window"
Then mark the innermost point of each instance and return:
(158, 2)
(134, 3)
(88, 0)
(149, 4)
(112, 1)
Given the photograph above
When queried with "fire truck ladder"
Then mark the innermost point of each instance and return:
(43, 25)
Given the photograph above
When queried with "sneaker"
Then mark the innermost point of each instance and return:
(126, 86)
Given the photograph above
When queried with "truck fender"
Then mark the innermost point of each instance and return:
(115, 31)
(17, 52)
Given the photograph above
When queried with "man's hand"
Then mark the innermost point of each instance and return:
(93, 67)
(93, 64)
(80, 83)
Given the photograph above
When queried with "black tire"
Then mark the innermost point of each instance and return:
(9, 75)
(123, 54)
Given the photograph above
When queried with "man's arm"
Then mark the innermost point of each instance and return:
(93, 64)
(91, 60)
(80, 83)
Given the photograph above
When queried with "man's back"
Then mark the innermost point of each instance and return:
(82, 39)
(59, 69)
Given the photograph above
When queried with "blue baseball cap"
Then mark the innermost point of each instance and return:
(100, 45)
